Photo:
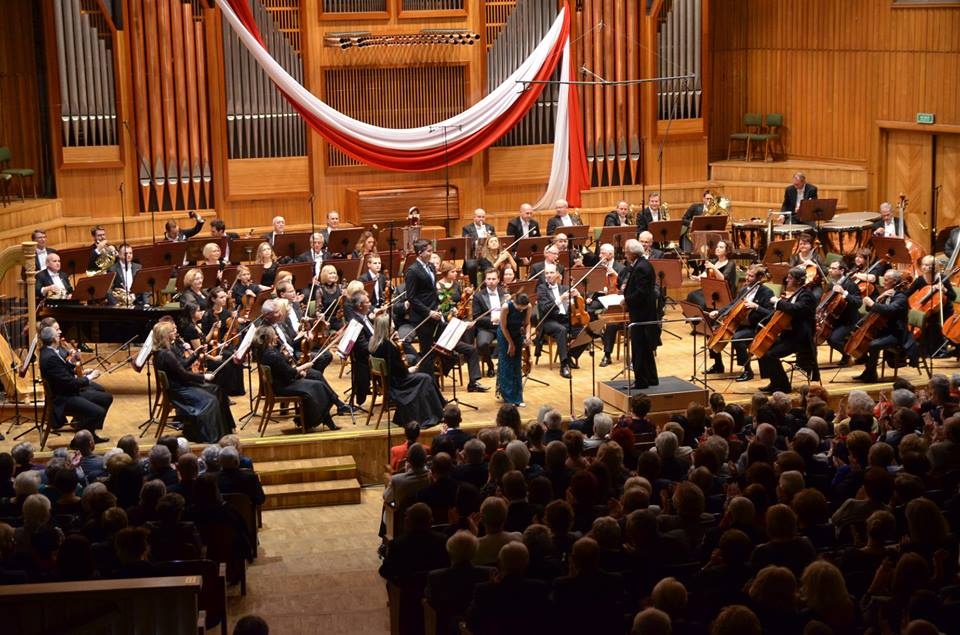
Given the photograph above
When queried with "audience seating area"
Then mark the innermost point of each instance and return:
(783, 518)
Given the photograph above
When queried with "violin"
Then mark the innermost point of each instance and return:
(525, 364)
(395, 340)
(465, 305)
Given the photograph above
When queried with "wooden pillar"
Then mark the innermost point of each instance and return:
(30, 271)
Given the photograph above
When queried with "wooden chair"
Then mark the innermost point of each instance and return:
(245, 507)
(164, 404)
(770, 137)
(5, 157)
(271, 400)
(752, 133)
(379, 385)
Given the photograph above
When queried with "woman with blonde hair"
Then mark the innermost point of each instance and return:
(328, 293)
(268, 258)
(366, 246)
(245, 286)
(193, 289)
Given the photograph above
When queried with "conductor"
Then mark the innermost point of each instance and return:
(640, 301)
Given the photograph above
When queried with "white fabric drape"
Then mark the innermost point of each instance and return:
(560, 165)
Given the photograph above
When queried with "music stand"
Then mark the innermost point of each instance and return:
(342, 240)
(779, 251)
(617, 236)
(408, 261)
(194, 248)
(262, 297)
(73, 261)
(816, 210)
(247, 246)
(302, 272)
(893, 250)
(666, 231)
(940, 243)
(576, 234)
(446, 345)
(716, 293)
(595, 280)
(778, 271)
(530, 248)
(390, 263)
(695, 316)
(94, 288)
(151, 280)
(526, 286)
(708, 239)
(170, 254)
(669, 276)
(452, 248)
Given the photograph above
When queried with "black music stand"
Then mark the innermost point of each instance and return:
(816, 210)
(779, 251)
(530, 247)
(408, 261)
(73, 261)
(778, 271)
(576, 234)
(704, 223)
(302, 272)
(390, 263)
(194, 247)
(669, 276)
(666, 231)
(617, 236)
(716, 293)
(94, 288)
(246, 246)
(289, 246)
(695, 316)
(452, 248)
(169, 254)
(525, 286)
(151, 280)
(893, 250)
(342, 240)
(596, 278)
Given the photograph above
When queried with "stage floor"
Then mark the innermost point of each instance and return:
(674, 358)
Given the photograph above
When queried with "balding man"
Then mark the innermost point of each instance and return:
(479, 228)
(279, 227)
(551, 256)
(619, 217)
(51, 283)
(649, 251)
(795, 194)
(562, 218)
(524, 225)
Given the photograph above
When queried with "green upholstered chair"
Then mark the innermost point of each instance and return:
(752, 129)
(771, 138)
(5, 157)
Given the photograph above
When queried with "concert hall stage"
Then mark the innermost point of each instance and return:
(671, 395)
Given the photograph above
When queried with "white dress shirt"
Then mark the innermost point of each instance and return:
(494, 298)
(566, 221)
(890, 229)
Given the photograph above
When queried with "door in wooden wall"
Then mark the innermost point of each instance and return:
(909, 169)
(947, 179)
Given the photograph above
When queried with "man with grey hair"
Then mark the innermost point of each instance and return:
(493, 514)
(602, 426)
(160, 465)
(766, 437)
(562, 217)
(234, 480)
(554, 302)
(892, 304)
(795, 194)
(403, 486)
(72, 396)
(551, 256)
(316, 254)
(888, 226)
(472, 469)
(640, 301)
(449, 591)
(279, 228)
(619, 217)
(592, 406)
(553, 419)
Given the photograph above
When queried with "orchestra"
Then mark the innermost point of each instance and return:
(857, 303)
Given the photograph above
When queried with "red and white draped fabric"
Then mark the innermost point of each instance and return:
(455, 139)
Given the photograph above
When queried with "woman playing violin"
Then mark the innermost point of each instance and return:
(720, 267)
(215, 324)
(245, 286)
(366, 245)
(866, 274)
(929, 291)
(492, 256)
(806, 252)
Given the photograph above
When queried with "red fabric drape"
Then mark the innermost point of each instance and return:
(579, 178)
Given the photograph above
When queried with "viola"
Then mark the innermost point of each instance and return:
(731, 321)
(525, 363)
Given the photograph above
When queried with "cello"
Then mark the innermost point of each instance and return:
(770, 333)
(731, 321)
(859, 343)
(828, 312)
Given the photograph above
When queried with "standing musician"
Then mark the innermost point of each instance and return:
(75, 396)
(619, 217)
(719, 268)
(328, 293)
(279, 227)
(373, 272)
(562, 218)
(891, 304)
(201, 405)
(488, 299)
(640, 301)
(551, 256)
(420, 281)
(316, 254)
(553, 307)
(268, 258)
(866, 274)
(217, 322)
(887, 225)
(360, 353)
(294, 380)
(51, 283)
(800, 304)
(173, 233)
(846, 322)
(651, 213)
(39, 236)
(126, 270)
(524, 225)
(513, 336)
(794, 194)
(366, 246)
(692, 212)
(193, 289)
(757, 298)
(614, 280)
(414, 391)
(492, 255)
(936, 290)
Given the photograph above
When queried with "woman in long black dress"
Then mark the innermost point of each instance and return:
(216, 322)
(202, 406)
(414, 393)
(291, 380)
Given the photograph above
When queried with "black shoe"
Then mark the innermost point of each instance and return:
(98, 439)
(606, 361)
(475, 387)
(573, 363)
(491, 371)
(565, 371)
(867, 376)
(768, 388)
(333, 426)
(84, 348)
(844, 360)
(716, 369)
(746, 375)
(344, 410)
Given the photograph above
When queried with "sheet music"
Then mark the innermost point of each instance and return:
(144, 353)
(613, 299)
(452, 334)
(349, 339)
(28, 357)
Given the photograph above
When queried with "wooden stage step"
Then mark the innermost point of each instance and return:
(820, 173)
(330, 468)
(314, 494)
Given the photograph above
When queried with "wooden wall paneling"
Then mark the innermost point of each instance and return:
(947, 176)
(216, 103)
(909, 169)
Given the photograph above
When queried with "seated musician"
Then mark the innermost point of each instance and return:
(562, 243)
(649, 251)
(697, 209)
(201, 405)
(100, 246)
(614, 272)
(72, 355)
(190, 328)
(492, 255)
(562, 217)
(126, 270)
(892, 305)
(316, 254)
(551, 256)
(553, 307)
(508, 275)
(268, 258)
(193, 289)
(333, 222)
(923, 293)
(807, 256)
(279, 228)
(366, 246)
(72, 395)
(172, 231)
(757, 297)
(651, 213)
(353, 287)
(449, 295)
(212, 254)
(487, 302)
(719, 267)
(524, 225)
(52, 283)
(413, 391)
(801, 305)
(846, 321)
(244, 286)
(887, 225)
(327, 294)
(287, 291)
(865, 274)
(619, 217)
(373, 272)
(218, 229)
(218, 320)
(449, 288)
(478, 229)
(289, 379)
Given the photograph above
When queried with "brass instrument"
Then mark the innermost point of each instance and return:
(575, 215)
(664, 211)
(105, 260)
(57, 293)
(123, 297)
(719, 205)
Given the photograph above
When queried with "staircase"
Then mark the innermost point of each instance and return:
(307, 482)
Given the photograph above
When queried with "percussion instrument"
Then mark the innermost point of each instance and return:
(750, 236)
(787, 231)
(845, 238)
(848, 218)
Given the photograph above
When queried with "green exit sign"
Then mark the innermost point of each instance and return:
(925, 117)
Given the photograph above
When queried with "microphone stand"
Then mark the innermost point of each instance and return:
(446, 163)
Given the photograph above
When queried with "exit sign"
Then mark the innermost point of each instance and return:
(925, 117)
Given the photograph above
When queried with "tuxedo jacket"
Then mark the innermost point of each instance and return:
(645, 217)
(639, 292)
(801, 308)
(481, 304)
(421, 291)
(554, 223)
(470, 231)
(45, 280)
(537, 267)
(61, 375)
(790, 196)
(762, 299)
(896, 310)
(515, 229)
(42, 264)
(851, 311)
(878, 224)
(692, 212)
(547, 304)
(182, 235)
(270, 237)
(118, 280)
(612, 219)
(375, 298)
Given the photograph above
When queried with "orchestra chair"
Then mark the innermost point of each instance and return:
(752, 129)
(795, 365)
(271, 400)
(212, 598)
(5, 157)
(46, 418)
(379, 385)
(163, 404)
(894, 356)
(772, 122)
(5, 188)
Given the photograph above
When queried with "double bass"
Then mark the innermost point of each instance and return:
(731, 321)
